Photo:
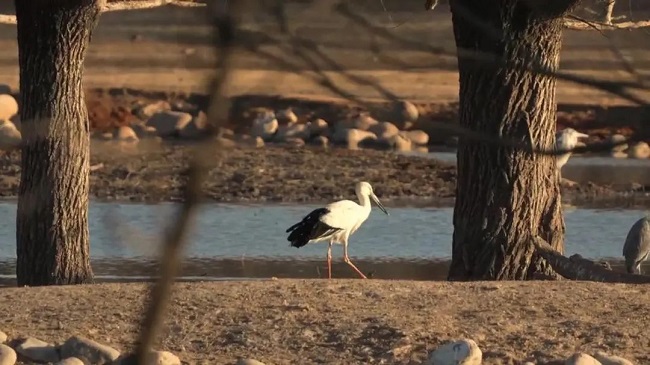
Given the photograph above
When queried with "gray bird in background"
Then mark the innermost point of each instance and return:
(637, 245)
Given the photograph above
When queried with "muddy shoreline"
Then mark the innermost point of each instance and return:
(289, 175)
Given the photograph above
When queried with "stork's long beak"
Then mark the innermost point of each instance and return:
(582, 135)
(381, 206)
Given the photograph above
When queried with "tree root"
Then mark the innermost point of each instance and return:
(578, 268)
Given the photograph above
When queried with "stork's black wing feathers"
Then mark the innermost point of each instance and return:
(309, 228)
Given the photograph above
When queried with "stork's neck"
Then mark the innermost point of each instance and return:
(364, 200)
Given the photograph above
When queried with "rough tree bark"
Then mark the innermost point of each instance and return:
(505, 196)
(52, 219)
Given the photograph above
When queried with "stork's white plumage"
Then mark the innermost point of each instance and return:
(567, 139)
(335, 223)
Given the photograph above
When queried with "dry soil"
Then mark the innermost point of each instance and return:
(347, 321)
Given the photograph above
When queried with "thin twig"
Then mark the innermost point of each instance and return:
(203, 156)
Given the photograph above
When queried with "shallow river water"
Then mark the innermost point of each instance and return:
(249, 241)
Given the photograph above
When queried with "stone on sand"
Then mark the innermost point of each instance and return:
(580, 358)
(286, 116)
(96, 353)
(197, 128)
(163, 358)
(125, 133)
(36, 350)
(248, 362)
(639, 150)
(70, 361)
(168, 123)
(147, 111)
(400, 143)
(3, 337)
(295, 142)
(320, 141)
(289, 131)
(353, 137)
(606, 359)
(418, 137)
(364, 122)
(7, 355)
(265, 125)
(8, 106)
(405, 112)
(10, 136)
(318, 127)
(616, 138)
(462, 352)
(384, 130)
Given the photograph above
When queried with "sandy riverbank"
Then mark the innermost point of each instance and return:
(348, 321)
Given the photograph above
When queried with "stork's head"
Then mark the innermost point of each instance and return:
(568, 138)
(364, 189)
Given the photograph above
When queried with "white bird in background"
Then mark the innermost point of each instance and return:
(565, 140)
(335, 223)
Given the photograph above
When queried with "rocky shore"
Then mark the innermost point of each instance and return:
(288, 150)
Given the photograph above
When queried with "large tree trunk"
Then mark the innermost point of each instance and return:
(52, 221)
(503, 195)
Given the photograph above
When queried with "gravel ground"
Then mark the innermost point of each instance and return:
(347, 321)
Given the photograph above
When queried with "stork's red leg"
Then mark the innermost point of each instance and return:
(329, 261)
(347, 260)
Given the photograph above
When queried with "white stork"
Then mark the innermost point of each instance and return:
(335, 223)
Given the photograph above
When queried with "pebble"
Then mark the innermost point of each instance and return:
(168, 123)
(320, 141)
(7, 355)
(405, 111)
(295, 142)
(640, 150)
(265, 125)
(192, 130)
(400, 143)
(37, 350)
(125, 133)
(70, 361)
(8, 107)
(465, 352)
(353, 137)
(418, 137)
(95, 352)
(3, 337)
(289, 131)
(164, 358)
(196, 128)
(606, 359)
(286, 116)
(147, 111)
(10, 136)
(248, 362)
(318, 127)
(364, 122)
(580, 358)
(614, 138)
(384, 130)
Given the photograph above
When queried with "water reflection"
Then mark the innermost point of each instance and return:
(248, 241)
(205, 269)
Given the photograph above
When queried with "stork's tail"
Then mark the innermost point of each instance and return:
(307, 229)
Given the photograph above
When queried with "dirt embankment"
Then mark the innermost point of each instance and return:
(278, 173)
(347, 321)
